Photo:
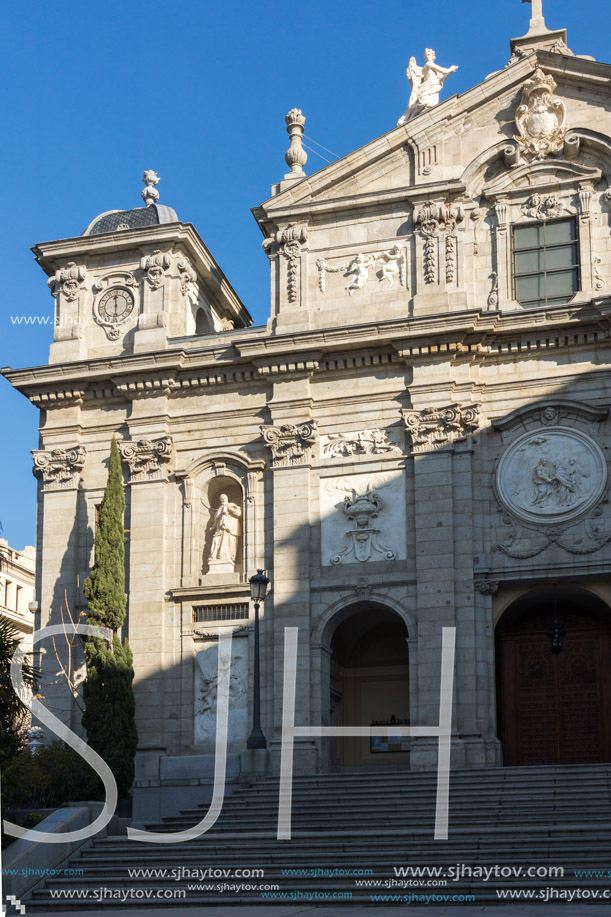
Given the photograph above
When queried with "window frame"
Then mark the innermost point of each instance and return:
(575, 268)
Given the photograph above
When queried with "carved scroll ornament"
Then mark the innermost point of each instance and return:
(68, 281)
(289, 242)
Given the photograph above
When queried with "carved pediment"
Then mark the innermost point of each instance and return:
(548, 413)
(541, 176)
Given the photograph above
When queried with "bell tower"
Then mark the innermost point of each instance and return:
(133, 280)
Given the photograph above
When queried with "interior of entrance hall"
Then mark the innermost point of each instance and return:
(369, 684)
(554, 707)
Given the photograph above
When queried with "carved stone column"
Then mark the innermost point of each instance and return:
(148, 461)
(290, 440)
(442, 454)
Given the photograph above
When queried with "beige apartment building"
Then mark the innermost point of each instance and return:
(17, 576)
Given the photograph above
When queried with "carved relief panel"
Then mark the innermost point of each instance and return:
(551, 476)
(206, 689)
(363, 518)
(551, 482)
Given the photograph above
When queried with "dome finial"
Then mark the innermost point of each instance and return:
(150, 195)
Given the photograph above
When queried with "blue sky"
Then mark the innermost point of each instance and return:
(95, 93)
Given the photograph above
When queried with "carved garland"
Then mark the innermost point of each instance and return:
(369, 442)
(434, 218)
(289, 242)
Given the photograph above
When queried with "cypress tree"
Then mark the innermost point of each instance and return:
(105, 585)
(109, 716)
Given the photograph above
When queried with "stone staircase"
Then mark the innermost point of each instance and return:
(499, 817)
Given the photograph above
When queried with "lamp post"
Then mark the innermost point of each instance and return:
(258, 589)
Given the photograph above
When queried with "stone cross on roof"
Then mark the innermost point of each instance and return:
(538, 35)
(537, 12)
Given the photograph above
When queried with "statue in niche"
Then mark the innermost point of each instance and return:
(426, 83)
(225, 536)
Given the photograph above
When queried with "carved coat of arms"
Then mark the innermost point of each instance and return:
(540, 119)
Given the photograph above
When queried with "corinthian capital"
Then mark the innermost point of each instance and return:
(147, 458)
(59, 469)
(290, 444)
(436, 428)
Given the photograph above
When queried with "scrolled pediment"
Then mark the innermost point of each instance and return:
(550, 175)
(549, 413)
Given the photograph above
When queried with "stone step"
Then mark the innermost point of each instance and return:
(174, 868)
(505, 817)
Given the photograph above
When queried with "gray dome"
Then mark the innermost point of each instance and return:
(118, 220)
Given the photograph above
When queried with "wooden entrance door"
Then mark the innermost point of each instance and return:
(555, 709)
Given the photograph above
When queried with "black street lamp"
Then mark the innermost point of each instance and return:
(556, 633)
(258, 590)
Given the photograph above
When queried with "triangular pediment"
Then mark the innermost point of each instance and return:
(443, 149)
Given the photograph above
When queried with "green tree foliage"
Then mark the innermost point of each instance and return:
(105, 585)
(109, 716)
(53, 776)
(14, 716)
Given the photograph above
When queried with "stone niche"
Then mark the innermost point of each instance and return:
(223, 518)
(206, 686)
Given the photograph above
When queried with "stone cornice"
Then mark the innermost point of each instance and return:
(303, 197)
(473, 335)
(53, 255)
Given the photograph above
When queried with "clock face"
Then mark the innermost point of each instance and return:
(115, 305)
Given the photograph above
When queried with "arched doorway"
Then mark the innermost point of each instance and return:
(554, 708)
(369, 685)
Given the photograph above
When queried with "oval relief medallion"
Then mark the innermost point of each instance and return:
(550, 476)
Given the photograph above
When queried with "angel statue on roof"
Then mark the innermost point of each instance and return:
(426, 83)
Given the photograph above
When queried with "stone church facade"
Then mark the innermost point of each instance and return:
(418, 438)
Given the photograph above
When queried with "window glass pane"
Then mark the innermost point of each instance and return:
(529, 288)
(562, 256)
(527, 236)
(562, 231)
(562, 282)
(531, 262)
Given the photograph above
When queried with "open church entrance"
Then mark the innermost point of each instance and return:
(554, 708)
(369, 684)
